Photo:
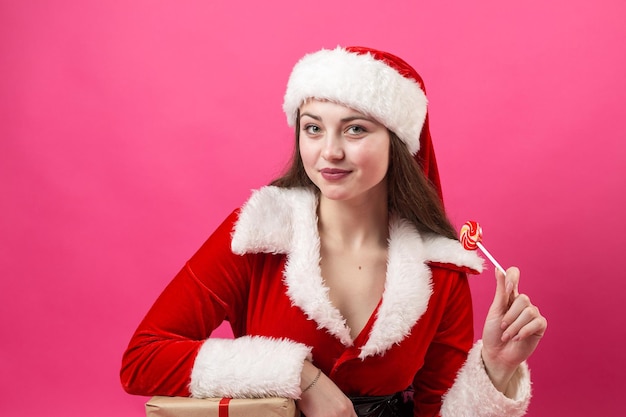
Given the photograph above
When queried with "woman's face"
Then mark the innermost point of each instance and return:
(344, 152)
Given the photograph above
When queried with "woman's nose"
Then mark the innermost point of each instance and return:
(333, 148)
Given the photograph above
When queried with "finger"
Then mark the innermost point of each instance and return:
(506, 289)
(501, 298)
(536, 327)
(527, 315)
(512, 281)
(515, 308)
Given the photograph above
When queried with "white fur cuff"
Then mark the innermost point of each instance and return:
(473, 394)
(248, 367)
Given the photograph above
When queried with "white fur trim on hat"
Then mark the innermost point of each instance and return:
(363, 83)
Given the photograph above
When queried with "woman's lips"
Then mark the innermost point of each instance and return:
(334, 174)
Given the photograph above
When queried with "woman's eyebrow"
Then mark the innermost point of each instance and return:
(312, 116)
(345, 119)
(357, 117)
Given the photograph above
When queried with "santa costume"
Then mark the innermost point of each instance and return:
(260, 270)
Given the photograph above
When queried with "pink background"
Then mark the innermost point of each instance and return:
(129, 129)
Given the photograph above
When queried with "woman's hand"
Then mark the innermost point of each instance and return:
(512, 330)
(324, 398)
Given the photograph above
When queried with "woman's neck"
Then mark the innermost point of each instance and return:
(354, 224)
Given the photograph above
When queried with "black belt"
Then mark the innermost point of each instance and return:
(383, 406)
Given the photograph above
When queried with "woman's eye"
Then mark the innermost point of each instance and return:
(312, 129)
(356, 130)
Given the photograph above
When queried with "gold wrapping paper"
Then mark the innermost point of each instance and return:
(210, 407)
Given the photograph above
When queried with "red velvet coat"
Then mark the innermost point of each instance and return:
(260, 271)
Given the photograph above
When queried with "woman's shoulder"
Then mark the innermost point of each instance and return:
(447, 268)
(449, 254)
(434, 250)
(266, 222)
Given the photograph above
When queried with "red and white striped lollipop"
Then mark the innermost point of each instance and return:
(471, 235)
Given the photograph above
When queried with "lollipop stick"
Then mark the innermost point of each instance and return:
(491, 258)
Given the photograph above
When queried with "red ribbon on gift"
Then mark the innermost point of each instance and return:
(223, 407)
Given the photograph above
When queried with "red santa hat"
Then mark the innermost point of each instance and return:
(374, 82)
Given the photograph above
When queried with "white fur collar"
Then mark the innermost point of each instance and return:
(279, 220)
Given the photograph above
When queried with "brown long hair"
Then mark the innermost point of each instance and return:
(410, 193)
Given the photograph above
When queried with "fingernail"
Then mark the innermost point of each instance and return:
(505, 337)
(504, 325)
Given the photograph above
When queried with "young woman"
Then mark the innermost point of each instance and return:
(343, 281)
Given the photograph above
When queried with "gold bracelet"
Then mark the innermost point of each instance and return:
(319, 372)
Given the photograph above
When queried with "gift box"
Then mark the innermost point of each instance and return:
(220, 407)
